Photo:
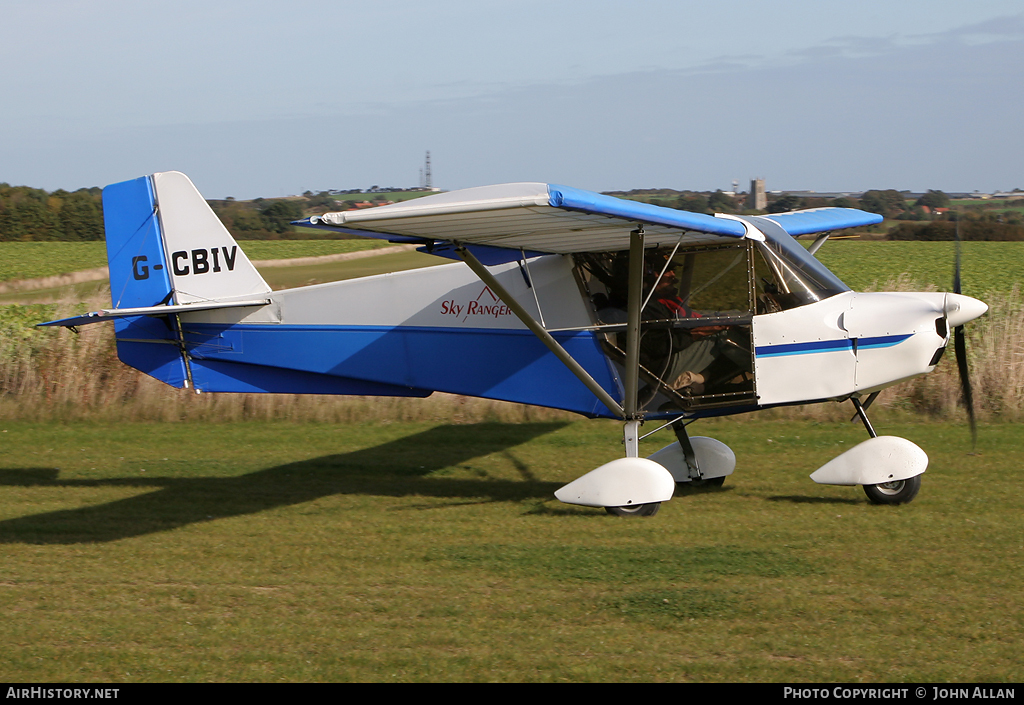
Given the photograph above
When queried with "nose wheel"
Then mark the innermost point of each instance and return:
(635, 510)
(898, 492)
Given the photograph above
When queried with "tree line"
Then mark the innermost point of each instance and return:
(28, 214)
(932, 216)
(32, 214)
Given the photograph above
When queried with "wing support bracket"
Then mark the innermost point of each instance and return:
(538, 330)
(818, 242)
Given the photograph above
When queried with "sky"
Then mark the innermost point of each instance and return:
(269, 98)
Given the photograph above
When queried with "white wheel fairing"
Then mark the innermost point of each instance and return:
(714, 458)
(621, 483)
(876, 461)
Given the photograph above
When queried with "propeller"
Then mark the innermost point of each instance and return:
(960, 348)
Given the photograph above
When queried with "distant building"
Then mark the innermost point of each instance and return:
(757, 199)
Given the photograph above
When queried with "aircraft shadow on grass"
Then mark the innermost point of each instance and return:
(395, 469)
(798, 499)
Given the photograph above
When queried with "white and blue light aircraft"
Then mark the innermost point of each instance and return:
(572, 300)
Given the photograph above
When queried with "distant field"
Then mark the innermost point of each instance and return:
(989, 204)
(307, 274)
(987, 266)
(29, 260)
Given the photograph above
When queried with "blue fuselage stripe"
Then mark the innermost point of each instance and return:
(884, 341)
(822, 346)
(506, 364)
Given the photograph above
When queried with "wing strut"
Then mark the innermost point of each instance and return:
(633, 419)
(553, 345)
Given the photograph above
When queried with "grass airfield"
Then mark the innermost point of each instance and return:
(276, 551)
(423, 552)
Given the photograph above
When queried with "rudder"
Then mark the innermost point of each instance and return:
(139, 277)
(135, 253)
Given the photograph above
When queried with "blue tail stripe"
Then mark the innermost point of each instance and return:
(139, 277)
(135, 252)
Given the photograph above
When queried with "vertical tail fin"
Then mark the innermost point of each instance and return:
(165, 245)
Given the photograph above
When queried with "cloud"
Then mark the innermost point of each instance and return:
(991, 30)
(915, 112)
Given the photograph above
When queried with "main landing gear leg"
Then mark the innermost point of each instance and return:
(862, 412)
(688, 453)
(697, 478)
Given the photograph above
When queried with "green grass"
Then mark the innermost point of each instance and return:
(304, 275)
(30, 260)
(993, 204)
(986, 266)
(82, 291)
(413, 552)
(289, 249)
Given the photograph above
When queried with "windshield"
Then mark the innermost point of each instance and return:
(797, 278)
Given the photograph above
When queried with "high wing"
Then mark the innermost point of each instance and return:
(820, 220)
(547, 218)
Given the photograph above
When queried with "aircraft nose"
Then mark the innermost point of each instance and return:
(960, 309)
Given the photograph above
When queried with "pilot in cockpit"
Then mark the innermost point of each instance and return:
(681, 356)
(678, 356)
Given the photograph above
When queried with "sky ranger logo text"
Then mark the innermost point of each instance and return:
(482, 305)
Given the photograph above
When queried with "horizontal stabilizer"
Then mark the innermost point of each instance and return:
(110, 314)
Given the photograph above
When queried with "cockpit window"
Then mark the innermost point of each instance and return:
(695, 338)
(789, 276)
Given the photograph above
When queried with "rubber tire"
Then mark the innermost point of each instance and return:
(635, 510)
(899, 492)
